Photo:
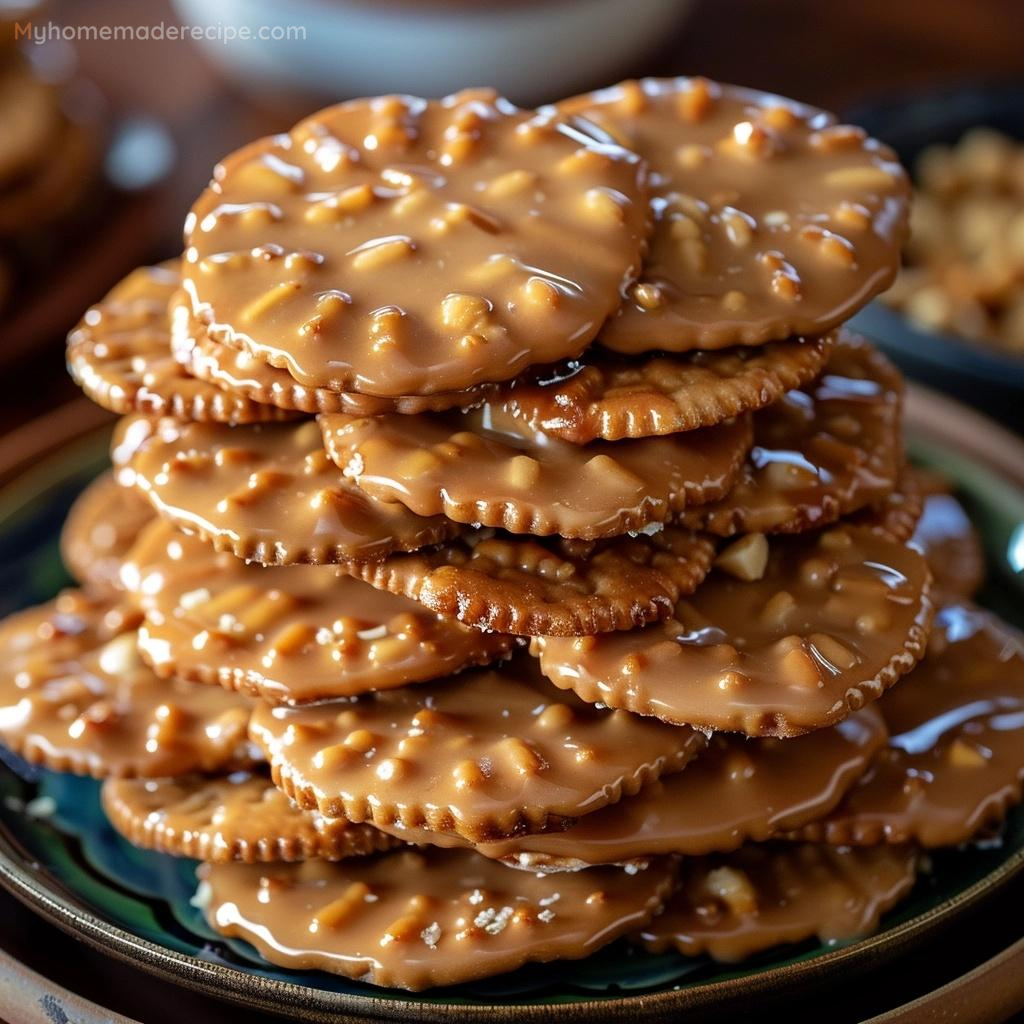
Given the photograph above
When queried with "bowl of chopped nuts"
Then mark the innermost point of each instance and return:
(955, 317)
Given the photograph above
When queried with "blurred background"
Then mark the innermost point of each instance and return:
(104, 142)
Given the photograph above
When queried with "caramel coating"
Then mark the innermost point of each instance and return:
(486, 468)
(555, 587)
(834, 620)
(738, 790)
(240, 373)
(602, 395)
(770, 219)
(416, 919)
(76, 697)
(119, 354)
(399, 246)
(100, 528)
(288, 634)
(763, 896)
(484, 755)
(266, 492)
(955, 760)
(241, 816)
(821, 452)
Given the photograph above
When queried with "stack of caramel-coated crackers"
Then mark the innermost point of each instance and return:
(508, 550)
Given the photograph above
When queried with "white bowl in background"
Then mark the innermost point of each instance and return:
(532, 51)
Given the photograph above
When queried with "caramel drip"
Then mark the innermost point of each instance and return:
(821, 452)
(266, 492)
(953, 765)
(400, 246)
(738, 790)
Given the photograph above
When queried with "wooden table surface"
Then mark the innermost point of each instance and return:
(835, 54)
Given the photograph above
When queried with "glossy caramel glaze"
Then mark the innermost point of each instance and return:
(770, 219)
(821, 452)
(76, 697)
(487, 754)
(833, 621)
(399, 246)
(240, 373)
(288, 634)
(955, 760)
(486, 467)
(734, 906)
(898, 513)
(419, 919)
(100, 528)
(738, 790)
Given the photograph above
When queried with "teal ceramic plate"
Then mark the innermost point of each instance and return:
(58, 854)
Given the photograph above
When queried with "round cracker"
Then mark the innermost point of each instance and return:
(76, 697)
(416, 919)
(240, 373)
(734, 906)
(602, 395)
(529, 586)
(102, 525)
(318, 250)
(738, 790)
(119, 354)
(486, 754)
(955, 760)
(821, 452)
(770, 219)
(486, 468)
(829, 623)
(242, 817)
(266, 492)
(287, 634)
